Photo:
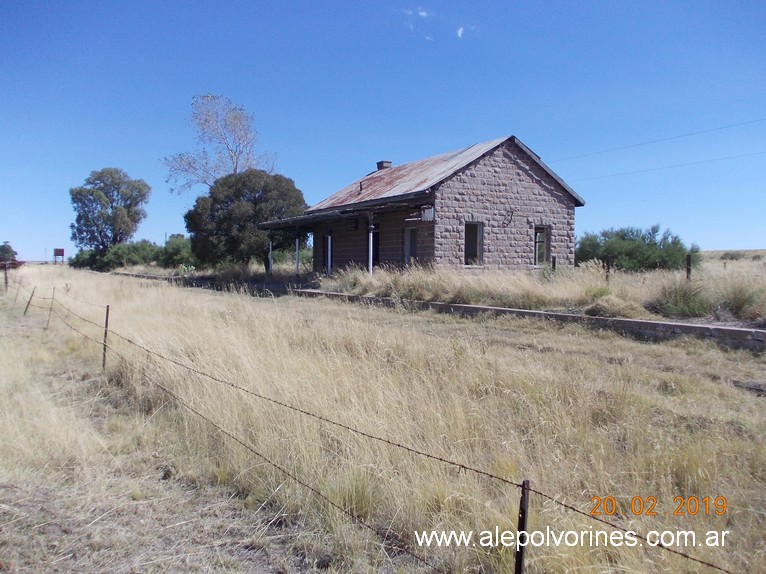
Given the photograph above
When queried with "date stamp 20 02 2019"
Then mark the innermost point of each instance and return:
(647, 506)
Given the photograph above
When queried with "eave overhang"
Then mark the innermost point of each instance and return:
(362, 209)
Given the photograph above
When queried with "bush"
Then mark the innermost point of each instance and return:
(732, 256)
(681, 298)
(84, 259)
(121, 255)
(744, 301)
(125, 254)
(177, 252)
(634, 249)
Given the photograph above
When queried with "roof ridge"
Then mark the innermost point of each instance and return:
(419, 176)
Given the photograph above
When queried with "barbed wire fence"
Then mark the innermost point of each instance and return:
(390, 541)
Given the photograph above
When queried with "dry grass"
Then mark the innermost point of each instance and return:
(579, 413)
(29, 412)
(84, 480)
(734, 291)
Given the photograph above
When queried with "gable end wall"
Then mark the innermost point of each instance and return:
(510, 194)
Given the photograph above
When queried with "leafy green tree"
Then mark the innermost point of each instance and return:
(7, 253)
(588, 248)
(223, 223)
(634, 249)
(109, 208)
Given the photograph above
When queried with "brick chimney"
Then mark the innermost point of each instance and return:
(385, 164)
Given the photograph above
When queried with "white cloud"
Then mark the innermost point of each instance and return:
(460, 32)
(422, 13)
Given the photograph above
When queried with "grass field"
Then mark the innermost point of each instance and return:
(580, 414)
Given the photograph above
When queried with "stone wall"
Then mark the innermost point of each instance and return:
(729, 337)
(510, 195)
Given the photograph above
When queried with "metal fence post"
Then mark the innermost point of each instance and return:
(522, 526)
(50, 309)
(30, 301)
(106, 333)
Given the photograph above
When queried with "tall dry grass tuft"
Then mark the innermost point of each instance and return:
(736, 289)
(579, 413)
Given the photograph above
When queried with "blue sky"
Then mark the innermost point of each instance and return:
(337, 86)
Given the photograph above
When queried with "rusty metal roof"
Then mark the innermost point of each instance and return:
(392, 182)
(416, 177)
(406, 184)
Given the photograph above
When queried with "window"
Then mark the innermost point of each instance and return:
(474, 243)
(542, 245)
(410, 245)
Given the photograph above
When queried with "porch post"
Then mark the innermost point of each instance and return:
(329, 252)
(271, 251)
(297, 255)
(370, 229)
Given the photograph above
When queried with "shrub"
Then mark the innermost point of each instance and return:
(634, 249)
(125, 254)
(680, 298)
(84, 259)
(177, 252)
(743, 300)
(732, 256)
(121, 255)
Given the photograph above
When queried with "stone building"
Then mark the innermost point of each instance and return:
(494, 204)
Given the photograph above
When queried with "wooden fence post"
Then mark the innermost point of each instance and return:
(6, 275)
(106, 333)
(608, 266)
(30, 301)
(553, 263)
(522, 527)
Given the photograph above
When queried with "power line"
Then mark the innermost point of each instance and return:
(670, 166)
(669, 138)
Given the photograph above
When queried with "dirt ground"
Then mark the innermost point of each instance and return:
(126, 510)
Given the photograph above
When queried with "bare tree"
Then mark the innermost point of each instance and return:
(228, 130)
